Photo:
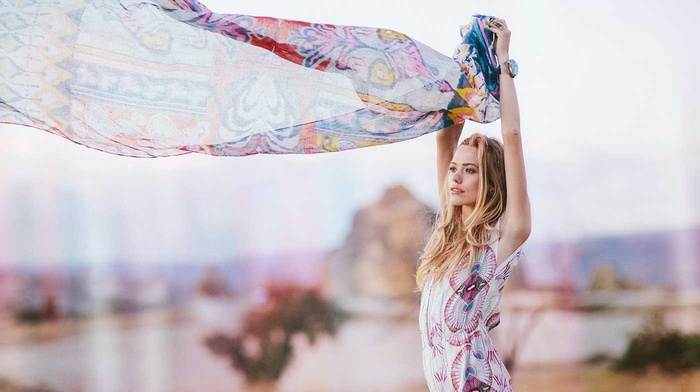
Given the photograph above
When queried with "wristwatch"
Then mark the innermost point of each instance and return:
(511, 67)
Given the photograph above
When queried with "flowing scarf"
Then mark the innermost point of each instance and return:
(166, 77)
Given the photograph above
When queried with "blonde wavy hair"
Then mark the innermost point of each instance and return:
(454, 235)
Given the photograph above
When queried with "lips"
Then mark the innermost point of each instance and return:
(456, 191)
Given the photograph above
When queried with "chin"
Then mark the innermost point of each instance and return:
(460, 202)
(456, 202)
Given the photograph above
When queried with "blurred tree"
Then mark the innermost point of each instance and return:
(263, 348)
(50, 308)
(657, 346)
(213, 285)
(48, 311)
(9, 386)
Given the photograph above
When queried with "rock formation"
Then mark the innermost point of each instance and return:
(381, 252)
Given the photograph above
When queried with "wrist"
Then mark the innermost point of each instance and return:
(502, 69)
(508, 67)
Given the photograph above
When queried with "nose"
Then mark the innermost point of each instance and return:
(456, 178)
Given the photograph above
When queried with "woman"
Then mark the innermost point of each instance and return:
(485, 220)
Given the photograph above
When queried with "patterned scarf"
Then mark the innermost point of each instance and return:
(166, 77)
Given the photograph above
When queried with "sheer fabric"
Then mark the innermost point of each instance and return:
(159, 78)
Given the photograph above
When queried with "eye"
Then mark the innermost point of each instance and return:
(453, 169)
(471, 170)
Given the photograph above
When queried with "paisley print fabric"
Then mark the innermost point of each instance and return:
(151, 78)
(456, 314)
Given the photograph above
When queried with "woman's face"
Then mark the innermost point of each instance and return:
(464, 177)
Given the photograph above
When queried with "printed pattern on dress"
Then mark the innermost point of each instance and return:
(456, 314)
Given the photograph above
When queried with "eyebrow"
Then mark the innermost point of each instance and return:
(465, 164)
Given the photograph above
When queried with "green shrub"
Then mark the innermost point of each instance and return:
(657, 346)
(30, 316)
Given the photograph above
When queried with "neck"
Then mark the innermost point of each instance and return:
(466, 210)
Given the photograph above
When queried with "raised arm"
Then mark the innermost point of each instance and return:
(516, 221)
(447, 139)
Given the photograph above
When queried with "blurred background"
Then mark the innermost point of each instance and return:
(294, 273)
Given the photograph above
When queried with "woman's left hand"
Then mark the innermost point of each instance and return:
(502, 43)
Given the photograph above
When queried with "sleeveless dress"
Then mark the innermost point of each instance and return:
(456, 314)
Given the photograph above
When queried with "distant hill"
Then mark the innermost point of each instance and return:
(663, 259)
(77, 286)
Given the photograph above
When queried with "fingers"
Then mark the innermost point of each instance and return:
(497, 25)
(502, 41)
(495, 30)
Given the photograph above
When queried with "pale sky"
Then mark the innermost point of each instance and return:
(609, 121)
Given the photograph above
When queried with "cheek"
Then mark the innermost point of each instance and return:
(474, 184)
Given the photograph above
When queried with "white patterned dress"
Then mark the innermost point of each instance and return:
(456, 314)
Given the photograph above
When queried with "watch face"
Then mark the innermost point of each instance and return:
(513, 67)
